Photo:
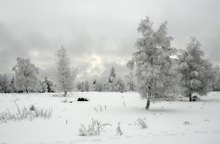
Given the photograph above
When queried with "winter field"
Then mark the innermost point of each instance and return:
(167, 122)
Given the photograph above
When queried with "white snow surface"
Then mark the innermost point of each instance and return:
(165, 120)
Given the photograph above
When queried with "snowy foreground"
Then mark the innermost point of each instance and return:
(168, 122)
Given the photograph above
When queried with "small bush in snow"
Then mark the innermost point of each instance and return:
(141, 122)
(25, 113)
(94, 129)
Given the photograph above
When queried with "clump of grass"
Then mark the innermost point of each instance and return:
(93, 129)
(26, 113)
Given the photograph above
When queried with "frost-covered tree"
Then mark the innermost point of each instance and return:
(66, 76)
(26, 75)
(152, 61)
(196, 72)
(4, 84)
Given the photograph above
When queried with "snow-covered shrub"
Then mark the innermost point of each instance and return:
(141, 122)
(25, 113)
(93, 129)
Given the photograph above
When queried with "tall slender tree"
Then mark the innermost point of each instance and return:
(65, 75)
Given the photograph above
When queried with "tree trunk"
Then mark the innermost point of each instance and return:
(190, 97)
(148, 105)
(65, 93)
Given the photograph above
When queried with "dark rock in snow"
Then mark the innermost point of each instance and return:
(82, 99)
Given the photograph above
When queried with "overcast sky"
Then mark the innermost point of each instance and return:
(99, 34)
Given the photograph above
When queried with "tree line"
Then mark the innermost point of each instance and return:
(26, 80)
(157, 71)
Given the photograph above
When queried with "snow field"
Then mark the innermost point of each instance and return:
(168, 122)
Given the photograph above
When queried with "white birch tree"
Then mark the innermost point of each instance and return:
(65, 75)
(152, 61)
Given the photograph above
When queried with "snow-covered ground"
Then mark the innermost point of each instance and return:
(179, 122)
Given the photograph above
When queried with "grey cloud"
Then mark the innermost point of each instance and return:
(10, 48)
(98, 34)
